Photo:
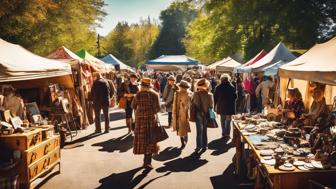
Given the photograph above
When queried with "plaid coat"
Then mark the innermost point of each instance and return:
(146, 105)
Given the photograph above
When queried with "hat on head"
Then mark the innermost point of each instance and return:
(146, 82)
(184, 84)
(202, 83)
(133, 75)
(171, 78)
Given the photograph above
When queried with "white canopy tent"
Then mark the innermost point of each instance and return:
(18, 64)
(278, 53)
(227, 65)
(172, 63)
(318, 64)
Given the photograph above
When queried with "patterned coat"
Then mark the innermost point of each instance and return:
(146, 105)
(181, 107)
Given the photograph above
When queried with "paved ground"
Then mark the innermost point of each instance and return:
(106, 161)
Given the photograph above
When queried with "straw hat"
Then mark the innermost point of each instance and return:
(146, 82)
(184, 84)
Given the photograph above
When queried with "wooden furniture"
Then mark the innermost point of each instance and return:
(277, 179)
(39, 155)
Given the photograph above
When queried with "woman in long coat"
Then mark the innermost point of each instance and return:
(181, 106)
(146, 105)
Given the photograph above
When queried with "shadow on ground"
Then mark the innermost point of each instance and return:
(122, 144)
(168, 154)
(124, 180)
(220, 146)
(186, 164)
(78, 142)
(115, 116)
(229, 180)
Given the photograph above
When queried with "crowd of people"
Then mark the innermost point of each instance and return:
(189, 97)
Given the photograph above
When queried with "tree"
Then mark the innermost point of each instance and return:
(174, 22)
(44, 25)
(249, 26)
(131, 44)
(119, 44)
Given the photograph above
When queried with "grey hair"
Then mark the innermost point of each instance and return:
(225, 77)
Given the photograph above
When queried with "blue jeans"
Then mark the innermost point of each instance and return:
(201, 132)
(226, 125)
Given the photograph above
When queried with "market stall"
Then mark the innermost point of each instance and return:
(96, 64)
(256, 58)
(300, 144)
(83, 77)
(118, 65)
(30, 149)
(278, 158)
(278, 53)
(318, 64)
(225, 65)
(172, 63)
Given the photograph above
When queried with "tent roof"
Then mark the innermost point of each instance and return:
(110, 59)
(227, 64)
(18, 64)
(278, 53)
(97, 64)
(272, 69)
(317, 64)
(257, 57)
(215, 64)
(64, 53)
(174, 60)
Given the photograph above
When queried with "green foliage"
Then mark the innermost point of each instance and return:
(44, 25)
(174, 22)
(131, 44)
(247, 26)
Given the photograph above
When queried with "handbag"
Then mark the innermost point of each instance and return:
(212, 123)
(157, 132)
(122, 103)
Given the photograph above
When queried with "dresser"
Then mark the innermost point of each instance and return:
(39, 153)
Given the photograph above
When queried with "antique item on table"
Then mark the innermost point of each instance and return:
(309, 158)
(32, 108)
(317, 164)
(298, 163)
(287, 167)
(16, 122)
(6, 115)
(266, 152)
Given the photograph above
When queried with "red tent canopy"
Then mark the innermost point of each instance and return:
(255, 59)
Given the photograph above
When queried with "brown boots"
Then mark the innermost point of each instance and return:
(148, 161)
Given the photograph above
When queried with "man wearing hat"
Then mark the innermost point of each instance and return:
(168, 97)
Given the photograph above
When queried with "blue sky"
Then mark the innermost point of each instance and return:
(130, 11)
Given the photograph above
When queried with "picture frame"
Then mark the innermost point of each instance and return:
(16, 122)
(32, 109)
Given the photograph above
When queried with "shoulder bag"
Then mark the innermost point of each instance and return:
(123, 100)
(156, 132)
